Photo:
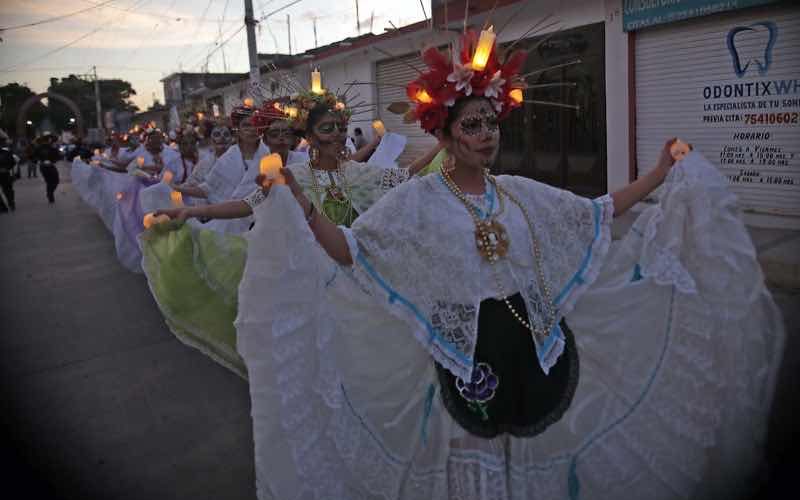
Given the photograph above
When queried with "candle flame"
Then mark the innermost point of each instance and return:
(316, 82)
(423, 96)
(516, 95)
(380, 129)
(483, 50)
(119, 196)
(177, 198)
(248, 102)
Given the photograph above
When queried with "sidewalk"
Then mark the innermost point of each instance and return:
(101, 400)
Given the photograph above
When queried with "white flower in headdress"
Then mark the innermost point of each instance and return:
(498, 105)
(461, 76)
(495, 84)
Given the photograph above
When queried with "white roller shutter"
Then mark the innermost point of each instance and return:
(391, 76)
(687, 86)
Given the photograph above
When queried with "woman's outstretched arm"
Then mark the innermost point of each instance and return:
(235, 209)
(638, 190)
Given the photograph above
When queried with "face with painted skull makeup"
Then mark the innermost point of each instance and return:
(221, 138)
(473, 136)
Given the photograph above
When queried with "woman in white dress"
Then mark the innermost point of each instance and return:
(472, 336)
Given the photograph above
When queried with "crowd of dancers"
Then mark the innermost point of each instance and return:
(433, 331)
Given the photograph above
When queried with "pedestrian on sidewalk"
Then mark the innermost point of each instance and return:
(29, 159)
(47, 154)
(8, 163)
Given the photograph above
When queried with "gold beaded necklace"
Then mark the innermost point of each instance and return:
(339, 194)
(492, 242)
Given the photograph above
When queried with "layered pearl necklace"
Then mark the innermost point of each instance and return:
(336, 193)
(492, 242)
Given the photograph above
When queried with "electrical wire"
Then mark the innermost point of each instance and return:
(57, 18)
(136, 4)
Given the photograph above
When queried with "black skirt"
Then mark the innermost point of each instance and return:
(524, 401)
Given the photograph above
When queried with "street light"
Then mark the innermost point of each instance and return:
(72, 120)
(29, 122)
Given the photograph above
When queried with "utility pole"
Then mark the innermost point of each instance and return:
(314, 20)
(358, 20)
(98, 108)
(250, 23)
(289, 25)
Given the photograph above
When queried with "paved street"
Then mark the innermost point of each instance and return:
(101, 401)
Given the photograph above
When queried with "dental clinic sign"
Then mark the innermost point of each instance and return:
(637, 14)
(730, 85)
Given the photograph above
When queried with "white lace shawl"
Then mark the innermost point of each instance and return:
(228, 179)
(415, 252)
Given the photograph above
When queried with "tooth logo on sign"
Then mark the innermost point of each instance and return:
(738, 47)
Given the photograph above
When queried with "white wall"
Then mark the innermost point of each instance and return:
(617, 102)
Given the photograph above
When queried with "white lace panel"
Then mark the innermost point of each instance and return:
(417, 247)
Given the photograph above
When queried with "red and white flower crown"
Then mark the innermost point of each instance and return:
(478, 72)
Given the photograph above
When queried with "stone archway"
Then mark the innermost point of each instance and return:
(22, 132)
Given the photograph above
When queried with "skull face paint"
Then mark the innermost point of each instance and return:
(476, 135)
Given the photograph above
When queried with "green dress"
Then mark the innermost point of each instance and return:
(194, 273)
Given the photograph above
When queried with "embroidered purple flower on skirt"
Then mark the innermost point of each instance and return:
(482, 386)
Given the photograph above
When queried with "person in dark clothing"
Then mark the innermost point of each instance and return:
(7, 165)
(30, 160)
(47, 154)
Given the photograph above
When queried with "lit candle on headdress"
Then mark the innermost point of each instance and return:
(167, 178)
(516, 95)
(316, 82)
(177, 198)
(483, 50)
(291, 112)
(248, 102)
(200, 116)
(136, 128)
(270, 168)
(380, 129)
(423, 96)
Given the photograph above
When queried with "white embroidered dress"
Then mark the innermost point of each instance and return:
(678, 338)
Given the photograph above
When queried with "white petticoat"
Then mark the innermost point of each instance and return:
(678, 341)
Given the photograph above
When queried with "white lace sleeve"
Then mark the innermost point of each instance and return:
(254, 199)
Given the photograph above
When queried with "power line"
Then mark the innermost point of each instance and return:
(57, 18)
(165, 17)
(72, 42)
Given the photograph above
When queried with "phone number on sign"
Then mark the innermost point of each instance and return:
(772, 118)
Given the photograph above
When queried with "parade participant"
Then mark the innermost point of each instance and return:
(221, 139)
(201, 307)
(7, 165)
(472, 337)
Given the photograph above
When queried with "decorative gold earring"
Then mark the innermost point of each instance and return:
(313, 155)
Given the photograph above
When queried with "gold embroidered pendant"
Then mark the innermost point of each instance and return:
(491, 239)
(335, 193)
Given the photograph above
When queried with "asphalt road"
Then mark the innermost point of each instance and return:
(100, 401)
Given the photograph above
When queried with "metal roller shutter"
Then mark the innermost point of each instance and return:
(687, 86)
(392, 75)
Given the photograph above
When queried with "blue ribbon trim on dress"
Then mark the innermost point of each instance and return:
(573, 482)
(577, 279)
(395, 297)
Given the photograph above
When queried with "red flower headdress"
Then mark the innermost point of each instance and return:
(446, 81)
